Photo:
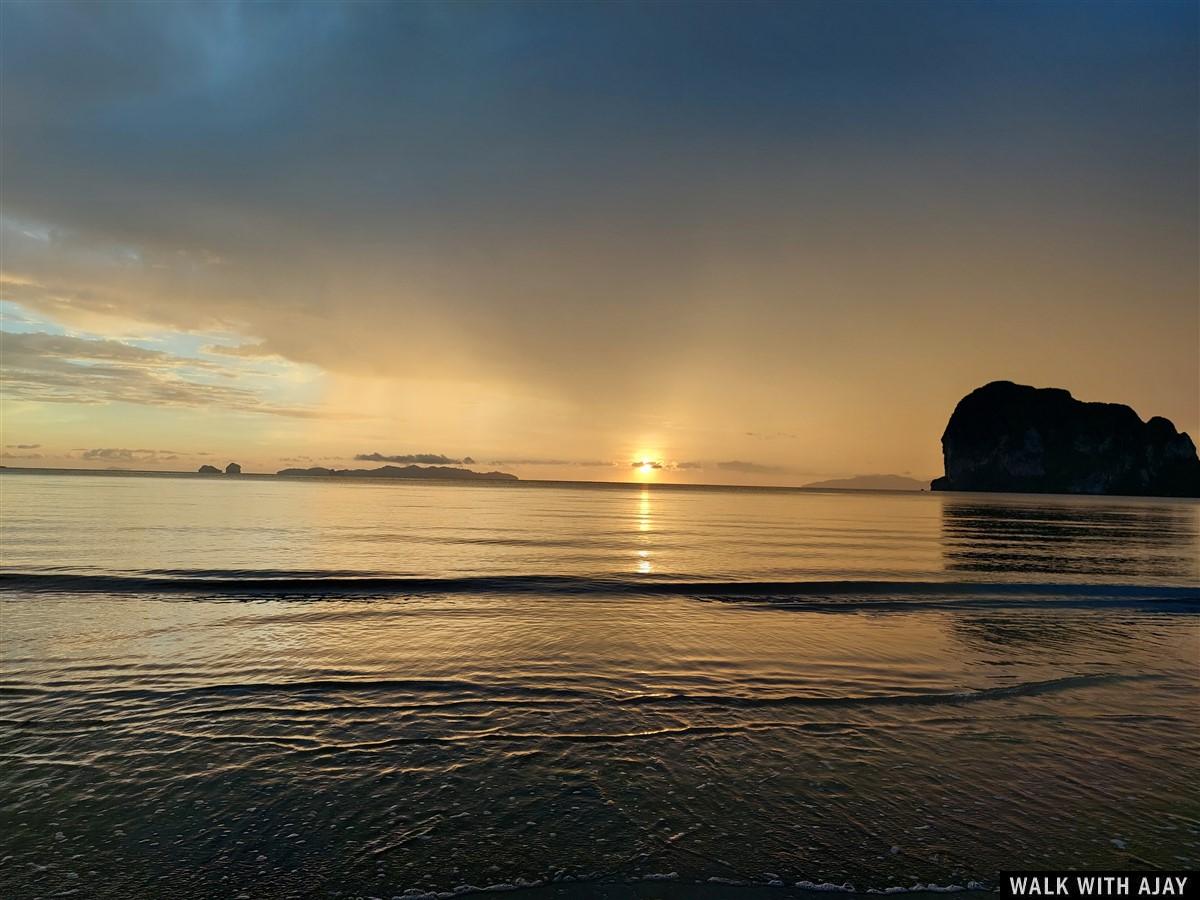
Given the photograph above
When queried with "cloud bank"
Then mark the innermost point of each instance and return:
(429, 459)
(60, 368)
(123, 454)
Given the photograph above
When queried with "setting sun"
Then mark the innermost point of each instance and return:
(645, 463)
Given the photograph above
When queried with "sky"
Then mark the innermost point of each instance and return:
(744, 243)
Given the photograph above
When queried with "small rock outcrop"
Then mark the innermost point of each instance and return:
(233, 469)
(1012, 437)
(209, 470)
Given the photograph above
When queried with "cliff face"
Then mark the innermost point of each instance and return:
(1012, 437)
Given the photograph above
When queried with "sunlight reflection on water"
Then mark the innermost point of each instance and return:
(428, 737)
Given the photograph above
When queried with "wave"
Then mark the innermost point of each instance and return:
(446, 692)
(649, 886)
(814, 595)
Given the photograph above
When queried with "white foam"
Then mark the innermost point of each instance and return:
(930, 888)
(774, 881)
(846, 888)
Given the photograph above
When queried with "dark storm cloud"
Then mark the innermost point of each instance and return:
(397, 162)
(587, 198)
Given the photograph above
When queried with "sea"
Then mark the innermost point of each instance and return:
(267, 687)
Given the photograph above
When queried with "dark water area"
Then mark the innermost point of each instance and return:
(279, 688)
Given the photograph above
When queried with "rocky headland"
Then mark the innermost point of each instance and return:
(1013, 437)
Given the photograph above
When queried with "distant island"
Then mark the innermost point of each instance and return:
(1013, 437)
(231, 469)
(871, 483)
(442, 472)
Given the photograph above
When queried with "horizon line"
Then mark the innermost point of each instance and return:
(485, 482)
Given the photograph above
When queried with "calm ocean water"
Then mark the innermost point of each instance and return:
(220, 687)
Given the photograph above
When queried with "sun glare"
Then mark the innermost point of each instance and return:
(645, 464)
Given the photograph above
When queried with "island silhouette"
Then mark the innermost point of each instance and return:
(414, 471)
(1007, 437)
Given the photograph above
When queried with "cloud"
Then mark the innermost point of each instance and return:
(7, 455)
(596, 206)
(689, 465)
(67, 347)
(123, 454)
(749, 468)
(325, 212)
(536, 461)
(22, 446)
(56, 368)
(241, 351)
(429, 459)
(652, 463)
